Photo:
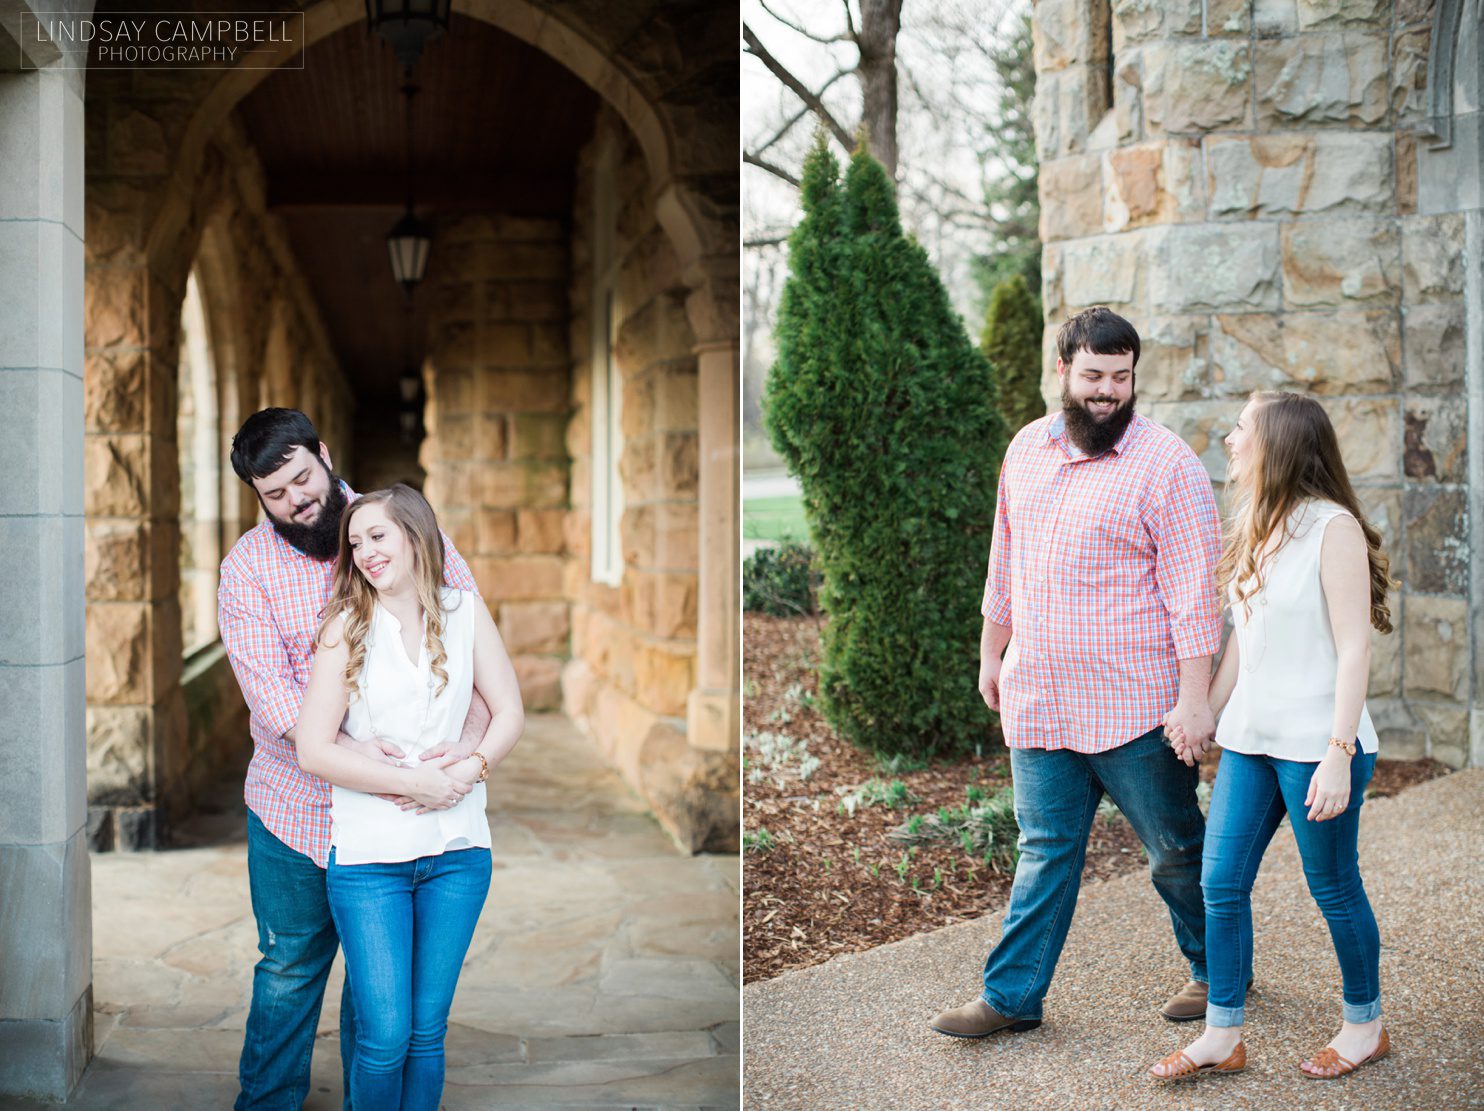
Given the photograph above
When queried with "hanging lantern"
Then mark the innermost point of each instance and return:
(408, 25)
(409, 243)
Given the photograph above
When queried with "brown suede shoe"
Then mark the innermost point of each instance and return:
(978, 1020)
(1187, 1004)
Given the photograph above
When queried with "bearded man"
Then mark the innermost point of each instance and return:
(275, 584)
(1100, 595)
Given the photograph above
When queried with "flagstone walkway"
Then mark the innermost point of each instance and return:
(604, 972)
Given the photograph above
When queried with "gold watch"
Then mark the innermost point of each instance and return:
(1347, 746)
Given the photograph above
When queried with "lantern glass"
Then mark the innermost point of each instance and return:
(409, 244)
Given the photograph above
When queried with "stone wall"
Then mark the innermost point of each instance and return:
(497, 382)
(140, 760)
(1249, 199)
(634, 644)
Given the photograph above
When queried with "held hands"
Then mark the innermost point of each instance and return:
(434, 787)
(1190, 728)
(1329, 788)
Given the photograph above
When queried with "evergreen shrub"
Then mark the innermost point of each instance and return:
(780, 581)
(1012, 343)
(884, 409)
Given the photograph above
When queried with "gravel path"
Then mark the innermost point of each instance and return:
(853, 1033)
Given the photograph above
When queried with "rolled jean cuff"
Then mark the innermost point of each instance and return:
(1224, 1016)
(1362, 1012)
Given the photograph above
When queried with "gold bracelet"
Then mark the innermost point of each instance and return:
(1347, 746)
(484, 767)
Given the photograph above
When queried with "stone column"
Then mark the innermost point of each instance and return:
(46, 1031)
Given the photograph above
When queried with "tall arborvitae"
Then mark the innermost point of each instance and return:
(1012, 343)
(884, 409)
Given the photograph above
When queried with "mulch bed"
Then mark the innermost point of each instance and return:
(834, 883)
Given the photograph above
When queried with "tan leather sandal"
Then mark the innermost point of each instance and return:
(1335, 1066)
(1180, 1067)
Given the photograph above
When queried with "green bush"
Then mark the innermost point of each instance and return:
(884, 409)
(780, 581)
(1012, 343)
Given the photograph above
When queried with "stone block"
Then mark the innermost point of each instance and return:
(1154, 183)
(540, 530)
(44, 790)
(1341, 262)
(579, 686)
(520, 578)
(1447, 732)
(1201, 424)
(113, 391)
(636, 407)
(100, 829)
(619, 725)
(1370, 434)
(537, 301)
(1066, 32)
(454, 439)
(1107, 270)
(1432, 258)
(1195, 86)
(1406, 173)
(1437, 653)
(536, 628)
(1409, 51)
(1071, 191)
(115, 470)
(522, 261)
(679, 460)
(37, 449)
(1288, 174)
(1173, 358)
(538, 436)
(118, 755)
(676, 398)
(40, 608)
(1437, 540)
(540, 680)
(1435, 345)
(664, 674)
(452, 388)
(1323, 14)
(522, 391)
(1435, 443)
(45, 1059)
(494, 531)
(456, 345)
(1321, 353)
(1330, 78)
(1202, 267)
(117, 561)
(115, 312)
(46, 897)
(1401, 733)
(490, 437)
(1228, 17)
(657, 331)
(505, 345)
(118, 652)
(1382, 506)
(1138, 20)
(549, 345)
(522, 485)
(1386, 664)
(694, 794)
(661, 535)
(1068, 105)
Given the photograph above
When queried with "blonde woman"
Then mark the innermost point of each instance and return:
(1306, 579)
(397, 659)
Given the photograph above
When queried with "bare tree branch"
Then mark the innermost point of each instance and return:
(766, 241)
(802, 112)
(777, 171)
(797, 87)
(808, 34)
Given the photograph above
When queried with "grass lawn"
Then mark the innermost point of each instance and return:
(779, 518)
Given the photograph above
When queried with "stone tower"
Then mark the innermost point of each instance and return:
(1286, 194)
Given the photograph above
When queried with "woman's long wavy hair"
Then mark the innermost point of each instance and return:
(1293, 455)
(353, 595)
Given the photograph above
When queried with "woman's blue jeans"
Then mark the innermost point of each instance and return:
(405, 928)
(1056, 799)
(1251, 796)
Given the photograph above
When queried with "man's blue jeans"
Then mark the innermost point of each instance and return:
(405, 928)
(1056, 798)
(1252, 795)
(297, 939)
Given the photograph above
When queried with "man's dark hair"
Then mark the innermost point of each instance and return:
(1099, 330)
(266, 440)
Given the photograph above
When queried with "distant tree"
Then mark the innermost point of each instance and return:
(1011, 195)
(885, 411)
(1012, 343)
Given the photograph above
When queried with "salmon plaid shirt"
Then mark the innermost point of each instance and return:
(1104, 567)
(269, 601)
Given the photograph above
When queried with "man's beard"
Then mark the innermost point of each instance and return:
(1093, 436)
(321, 540)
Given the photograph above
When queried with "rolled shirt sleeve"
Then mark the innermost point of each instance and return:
(1187, 532)
(256, 650)
(996, 603)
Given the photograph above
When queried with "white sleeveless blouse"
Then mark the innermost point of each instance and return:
(1284, 702)
(396, 703)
